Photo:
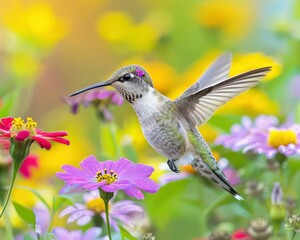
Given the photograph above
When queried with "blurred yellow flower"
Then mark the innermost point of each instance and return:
(193, 73)
(252, 103)
(250, 61)
(35, 22)
(119, 28)
(233, 17)
(208, 132)
(22, 65)
(164, 77)
(115, 26)
(51, 161)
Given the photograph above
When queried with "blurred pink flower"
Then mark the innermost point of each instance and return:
(64, 234)
(240, 234)
(100, 98)
(111, 176)
(31, 161)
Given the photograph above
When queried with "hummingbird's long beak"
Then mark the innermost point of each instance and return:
(97, 85)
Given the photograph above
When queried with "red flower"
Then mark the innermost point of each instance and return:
(240, 234)
(31, 161)
(20, 131)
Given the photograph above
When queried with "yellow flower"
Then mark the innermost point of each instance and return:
(119, 28)
(51, 161)
(193, 73)
(233, 17)
(22, 65)
(164, 77)
(252, 103)
(115, 26)
(35, 22)
(250, 61)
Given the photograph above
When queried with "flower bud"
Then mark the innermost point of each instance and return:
(219, 235)
(259, 229)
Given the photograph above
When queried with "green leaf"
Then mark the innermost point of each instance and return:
(25, 213)
(125, 234)
(59, 201)
(36, 193)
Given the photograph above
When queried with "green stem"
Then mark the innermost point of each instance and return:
(8, 228)
(294, 234)
(112, 130)
(14, 176)
(107, 219)
(209, 208)
(106, 196)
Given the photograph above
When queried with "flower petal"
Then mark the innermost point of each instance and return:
(22, 135)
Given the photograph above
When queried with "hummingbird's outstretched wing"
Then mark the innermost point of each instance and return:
(199, 106)
(216, 73)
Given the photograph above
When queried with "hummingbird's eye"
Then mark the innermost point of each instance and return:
(127, 76)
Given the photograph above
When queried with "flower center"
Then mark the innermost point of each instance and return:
(96, 205)
(31, 125)
(18, 125)
(108, 177)
(278, 137)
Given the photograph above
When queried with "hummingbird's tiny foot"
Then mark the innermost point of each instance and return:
(172, 166)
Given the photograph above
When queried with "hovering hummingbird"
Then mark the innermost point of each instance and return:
(170, 126)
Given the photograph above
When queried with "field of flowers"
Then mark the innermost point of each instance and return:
(80, 168)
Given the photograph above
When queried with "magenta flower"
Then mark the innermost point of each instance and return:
(31, 161)
(21, 136)
(265, 136)
(63, 234)
(100, 98)
(16, 128)
(111, 176)
(123, 211)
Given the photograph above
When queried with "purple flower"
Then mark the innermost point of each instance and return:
(100, 98)
(111, 176)
(63, 234)
(124, 211)
(187, 171)
(277, 194)
(242, 131)
(265, 137)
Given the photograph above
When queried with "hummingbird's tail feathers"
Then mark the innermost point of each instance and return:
(198, 107)
(216, 176)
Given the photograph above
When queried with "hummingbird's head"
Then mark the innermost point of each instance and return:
(131, 81)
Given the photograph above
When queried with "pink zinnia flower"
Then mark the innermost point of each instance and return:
(16, 128)
(111, 176)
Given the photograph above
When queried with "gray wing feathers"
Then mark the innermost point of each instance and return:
(199, 106)
(216, 73)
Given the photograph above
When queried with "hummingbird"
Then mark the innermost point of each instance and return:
(170, 126)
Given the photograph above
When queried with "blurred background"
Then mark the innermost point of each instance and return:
(49, 49)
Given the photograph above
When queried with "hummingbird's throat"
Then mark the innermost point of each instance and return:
(108, 177)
